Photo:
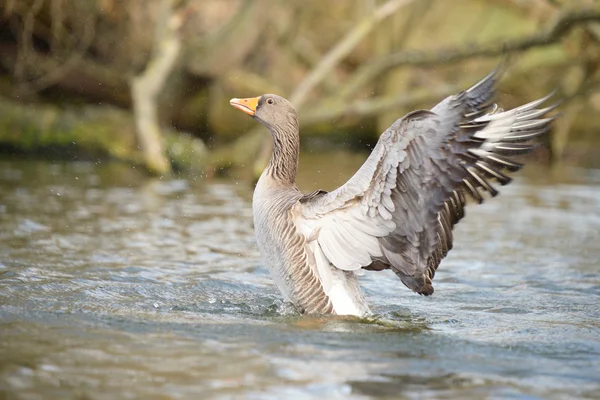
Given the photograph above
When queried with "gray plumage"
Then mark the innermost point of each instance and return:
(398, 210)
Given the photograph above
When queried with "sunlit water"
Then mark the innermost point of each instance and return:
(113, 285)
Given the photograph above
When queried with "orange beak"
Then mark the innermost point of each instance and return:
(246, 105)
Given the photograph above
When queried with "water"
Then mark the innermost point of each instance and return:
(113, 285)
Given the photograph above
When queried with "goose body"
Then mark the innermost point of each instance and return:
(398, 210)
(289, 254)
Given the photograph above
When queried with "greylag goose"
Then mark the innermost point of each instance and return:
(398, 210)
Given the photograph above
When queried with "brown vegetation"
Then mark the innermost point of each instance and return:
(175, 63)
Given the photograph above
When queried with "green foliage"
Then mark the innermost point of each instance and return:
(87, 131)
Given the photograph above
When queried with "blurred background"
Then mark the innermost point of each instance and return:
(148, 81)
(128, 267)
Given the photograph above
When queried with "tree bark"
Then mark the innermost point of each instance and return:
(146, 87)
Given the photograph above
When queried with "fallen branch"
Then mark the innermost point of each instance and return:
(559, 28)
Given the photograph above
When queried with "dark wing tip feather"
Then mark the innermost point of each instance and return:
(483, 162)
(514, 149)
(504, 163)
(526, 124)
(313, 195)
(470, 150)
(480, 95)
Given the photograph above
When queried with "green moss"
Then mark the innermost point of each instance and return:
(98, 131)
(186, 152)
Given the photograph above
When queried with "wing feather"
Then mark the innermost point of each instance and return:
(323, 266)
(399, 209)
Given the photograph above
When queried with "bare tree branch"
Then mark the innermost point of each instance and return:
(75, 57)
(9, 7)
(559, 28)
(343, 48)
(375, 106)
(146, 87)
(67, 49)
(25, 46)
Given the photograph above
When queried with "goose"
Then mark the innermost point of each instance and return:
(398, 210)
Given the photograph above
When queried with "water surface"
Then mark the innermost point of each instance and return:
(113, 285)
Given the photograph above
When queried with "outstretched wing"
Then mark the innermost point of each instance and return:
(398, 210)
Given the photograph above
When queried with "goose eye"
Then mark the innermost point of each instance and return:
(269, 101)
